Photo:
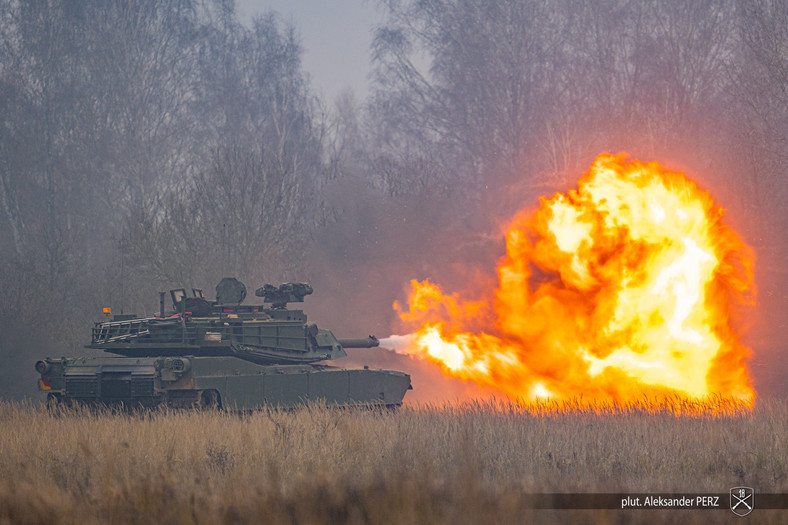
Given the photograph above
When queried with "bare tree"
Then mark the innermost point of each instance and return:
(95, 117)
(252, 208)
(761, 91)
(472, 81)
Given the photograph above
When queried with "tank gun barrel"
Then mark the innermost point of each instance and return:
(367, 342)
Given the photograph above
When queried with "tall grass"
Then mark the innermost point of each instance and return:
(466, 463)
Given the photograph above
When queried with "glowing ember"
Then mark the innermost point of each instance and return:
(611, 292)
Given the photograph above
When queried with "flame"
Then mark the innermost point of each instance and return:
(619, 289)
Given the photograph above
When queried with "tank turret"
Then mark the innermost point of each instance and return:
(225, 327)
(174, 354)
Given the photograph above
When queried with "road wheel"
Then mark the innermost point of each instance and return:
(53, 401)
(209, 400)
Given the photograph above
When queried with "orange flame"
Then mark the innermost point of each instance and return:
(620, 289)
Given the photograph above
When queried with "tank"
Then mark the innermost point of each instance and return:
(219, 354)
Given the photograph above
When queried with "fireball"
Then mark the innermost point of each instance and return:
(621, 288)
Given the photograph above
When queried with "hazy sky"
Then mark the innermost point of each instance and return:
(336, 35)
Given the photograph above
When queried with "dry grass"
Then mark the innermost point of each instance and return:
(471, 463)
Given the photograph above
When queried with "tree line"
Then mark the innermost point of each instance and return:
(145, 145)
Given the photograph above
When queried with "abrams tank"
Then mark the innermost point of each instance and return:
(219, 354)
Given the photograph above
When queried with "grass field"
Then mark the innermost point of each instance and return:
(471, 463)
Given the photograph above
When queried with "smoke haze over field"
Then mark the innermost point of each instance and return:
(148, 147)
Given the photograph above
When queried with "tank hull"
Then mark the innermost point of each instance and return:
(214, 382)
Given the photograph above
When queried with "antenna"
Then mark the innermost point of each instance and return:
(224, 249)
(122, 276)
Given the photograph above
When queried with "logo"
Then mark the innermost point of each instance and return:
(742, 500)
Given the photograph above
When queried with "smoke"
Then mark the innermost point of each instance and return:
(399, 343)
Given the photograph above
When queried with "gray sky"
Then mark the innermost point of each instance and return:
(335, 34)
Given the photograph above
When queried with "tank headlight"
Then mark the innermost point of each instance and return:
(180, 365)
(177, 364)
